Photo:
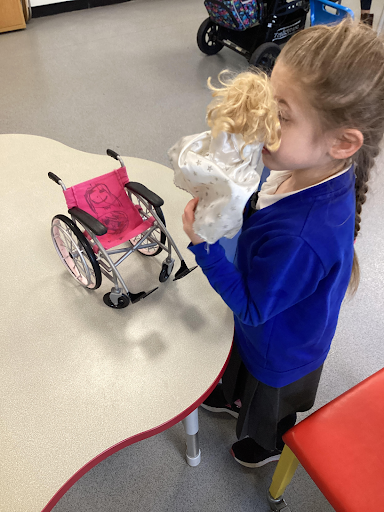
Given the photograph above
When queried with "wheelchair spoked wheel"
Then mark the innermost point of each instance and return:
(75, 252)
(157, 234)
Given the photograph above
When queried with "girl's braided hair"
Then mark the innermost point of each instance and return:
(341, 70)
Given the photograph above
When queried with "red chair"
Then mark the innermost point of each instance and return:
(341, 446)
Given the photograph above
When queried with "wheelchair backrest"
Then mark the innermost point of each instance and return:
(105, 198)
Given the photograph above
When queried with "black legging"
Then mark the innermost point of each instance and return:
(365, 5)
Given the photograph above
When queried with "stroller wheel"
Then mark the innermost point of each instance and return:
(264, 57)
(207, 38)
(75, 252)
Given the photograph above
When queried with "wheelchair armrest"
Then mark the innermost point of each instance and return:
(88, 221)
(144, 192)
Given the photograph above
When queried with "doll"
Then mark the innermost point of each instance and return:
(219, 166)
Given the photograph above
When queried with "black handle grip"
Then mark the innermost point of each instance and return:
(113, 154)
(54, 178)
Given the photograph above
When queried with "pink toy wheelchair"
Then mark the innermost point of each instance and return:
(106, 212)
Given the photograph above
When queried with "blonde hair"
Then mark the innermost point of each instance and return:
(340, 69)
(245, 105)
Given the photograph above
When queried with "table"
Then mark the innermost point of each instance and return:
(79, 380)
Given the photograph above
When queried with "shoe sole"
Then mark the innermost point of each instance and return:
(256, 464)
(220, 409)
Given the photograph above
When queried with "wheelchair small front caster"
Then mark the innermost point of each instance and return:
(122, 302)
(166, 271)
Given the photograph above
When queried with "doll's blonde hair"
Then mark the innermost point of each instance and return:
(245, 105)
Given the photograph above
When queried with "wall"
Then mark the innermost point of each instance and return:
(35, 3)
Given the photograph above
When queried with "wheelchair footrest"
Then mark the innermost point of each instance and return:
(135, 297)
(183, 271)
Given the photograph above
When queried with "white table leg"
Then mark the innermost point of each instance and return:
(191, 425)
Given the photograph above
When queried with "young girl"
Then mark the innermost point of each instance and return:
(295, 255)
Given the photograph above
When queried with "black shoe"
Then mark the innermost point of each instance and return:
(251, 455)
(216, 402)
(367, 19)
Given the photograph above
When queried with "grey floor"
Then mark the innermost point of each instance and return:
(131, 77)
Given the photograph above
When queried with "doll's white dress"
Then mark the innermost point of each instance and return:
(220, 175)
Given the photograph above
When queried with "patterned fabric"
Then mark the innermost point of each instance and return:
(222, 174)
(105, 199)
(235, 14)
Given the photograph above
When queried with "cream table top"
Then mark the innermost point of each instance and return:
(78, 378)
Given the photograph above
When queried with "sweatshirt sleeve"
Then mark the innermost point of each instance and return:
(284, 271)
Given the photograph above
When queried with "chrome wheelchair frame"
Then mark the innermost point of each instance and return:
(77, 244)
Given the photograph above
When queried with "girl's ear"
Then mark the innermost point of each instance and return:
(347, 143)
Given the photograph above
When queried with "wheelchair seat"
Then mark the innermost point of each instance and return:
(105, 199)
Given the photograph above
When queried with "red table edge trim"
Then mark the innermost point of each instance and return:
(131, 440)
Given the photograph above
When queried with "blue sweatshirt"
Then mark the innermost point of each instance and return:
(291, 271)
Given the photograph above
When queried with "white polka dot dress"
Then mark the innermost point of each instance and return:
(220, 175)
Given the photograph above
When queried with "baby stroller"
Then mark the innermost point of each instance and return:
(106, 212)
(256, 28)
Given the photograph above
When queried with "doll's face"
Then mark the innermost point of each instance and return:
(303, 144)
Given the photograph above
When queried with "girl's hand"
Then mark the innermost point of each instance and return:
(188, 220)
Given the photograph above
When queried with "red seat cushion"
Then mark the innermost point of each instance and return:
(341, 446)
